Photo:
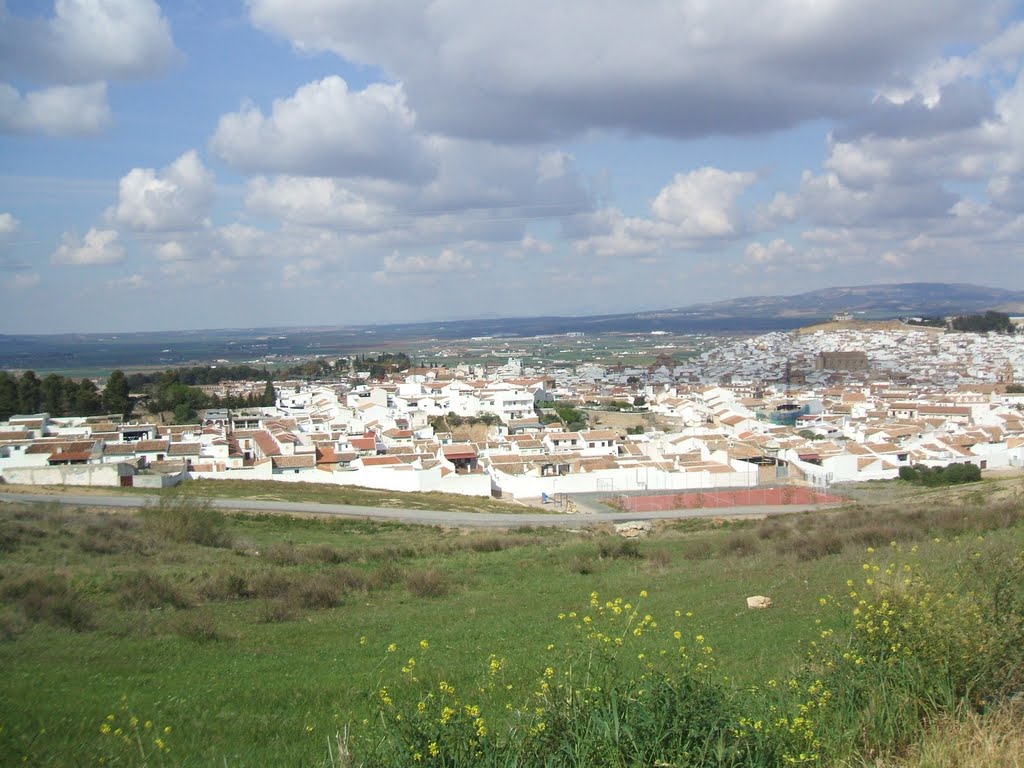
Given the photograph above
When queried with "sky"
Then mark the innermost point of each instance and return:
(237, 164)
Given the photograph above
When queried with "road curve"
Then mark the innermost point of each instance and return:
(417, 516)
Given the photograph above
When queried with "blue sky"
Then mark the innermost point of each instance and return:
(291, 162)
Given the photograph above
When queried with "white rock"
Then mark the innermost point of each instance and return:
(759, 601)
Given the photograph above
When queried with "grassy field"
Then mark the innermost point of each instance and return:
(255, 640)
(269, 490)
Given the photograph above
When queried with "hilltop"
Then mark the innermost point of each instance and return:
(750, 315)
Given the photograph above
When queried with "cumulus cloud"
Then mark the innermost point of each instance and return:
(99, 246)
(702, 203)
(313, 201)
(87, 40)
(529, 70)
(63, 110)
(73, 53)
(8, 225)
(178, 197)
(446, 261)
(325, 129)
(695, 208)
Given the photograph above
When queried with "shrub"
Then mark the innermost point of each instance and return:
(316, 592)
(276, 611)
(53, 600)
(659, 558)
(283, 553)
(488, 544)
(146, 590)
(583, 565)
(699, 550)
(187, 521)
(617, 547)
(385, 575)
(951, 474)
(740, 545)
(811, 547)
(198, 627)
(428, 583)
(325, 553)
(225, 586)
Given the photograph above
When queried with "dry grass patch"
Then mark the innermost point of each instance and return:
(428, 583)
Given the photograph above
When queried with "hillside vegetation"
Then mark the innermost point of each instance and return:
(184, 636)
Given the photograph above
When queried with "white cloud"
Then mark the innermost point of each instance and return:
(702, 203)
(313, 201)
(178, 198)
(327, 130)
(63, 110)
(698, 208)
(87, 40)
(446, 261)
(99, 246)
(25, 280)
(129, 282)
(538, 70)
(8, 225)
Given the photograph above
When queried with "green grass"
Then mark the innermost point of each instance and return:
(251, 650)
(270, 490)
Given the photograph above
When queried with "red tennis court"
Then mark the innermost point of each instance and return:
(744, 497)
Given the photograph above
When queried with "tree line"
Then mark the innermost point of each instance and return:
(61, 396)
(175, 389)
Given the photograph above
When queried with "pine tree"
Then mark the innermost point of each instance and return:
(115, 394)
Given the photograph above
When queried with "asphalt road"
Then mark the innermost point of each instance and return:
(416, 516)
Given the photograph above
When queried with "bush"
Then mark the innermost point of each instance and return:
(616, 547)
(198, 627)
(51, 599)
(146, 590)
(740, 545)
(951, 474)
(810, 546)
(699, 550)
(225, 586)
(276, 611)
(317, 592)
(428, 583)
(187, 521)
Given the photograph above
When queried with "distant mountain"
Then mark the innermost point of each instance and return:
(869, 301)
(86, 353)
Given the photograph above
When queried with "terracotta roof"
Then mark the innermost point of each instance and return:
(266, 443)
(151, 446)
(380, 461)
(459, 451)
(294, 462)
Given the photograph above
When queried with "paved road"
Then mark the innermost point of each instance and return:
(415, 516)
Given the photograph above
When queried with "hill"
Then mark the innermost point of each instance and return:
(747, 315)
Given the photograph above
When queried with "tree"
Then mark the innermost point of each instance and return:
(115, 394)
(29, 393)
(184, 414)
(54, 402)
(87, 399)
(269, 395)
(8, 395)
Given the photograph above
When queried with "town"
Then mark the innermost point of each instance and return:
(845, 402)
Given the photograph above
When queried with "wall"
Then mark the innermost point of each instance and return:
(612, 480)
(405, 479)
(108, 475)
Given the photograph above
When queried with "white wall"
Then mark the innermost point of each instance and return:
(108, 475)
(617, 480)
